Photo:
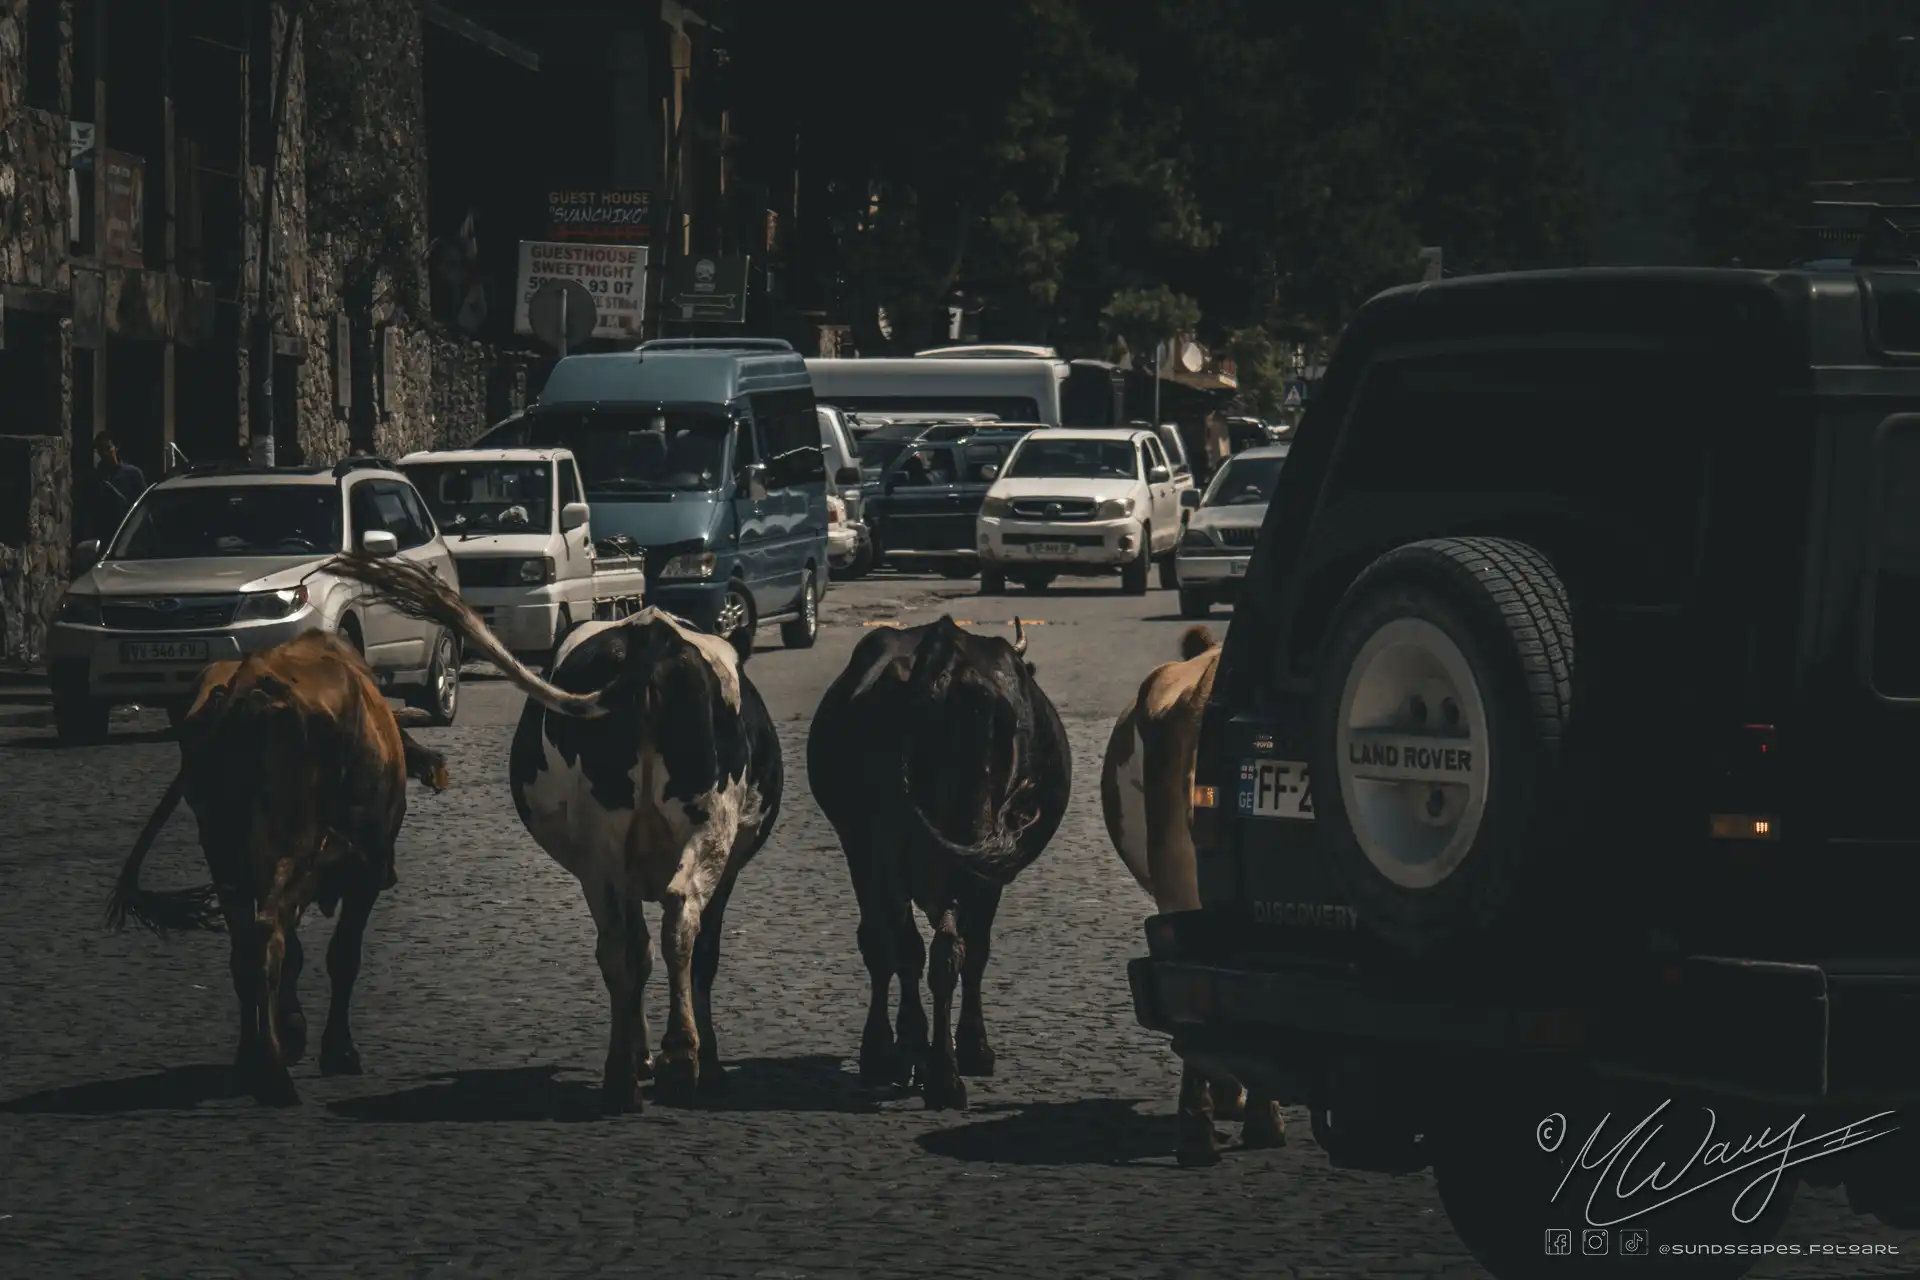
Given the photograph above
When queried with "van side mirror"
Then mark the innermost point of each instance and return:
(847, 475)
(572, 516)
(1159, 475)
(85, 556)
(378, 542)
(1190, 499)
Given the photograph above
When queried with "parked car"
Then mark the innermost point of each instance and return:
(705, 452)
(1225, 522)
(520, 534)
(1083, 502)
(218, 561)
(843, 543)
(928, 499)
(842, 462)
(1551, 813)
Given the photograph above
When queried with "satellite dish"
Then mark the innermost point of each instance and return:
(1192, 358)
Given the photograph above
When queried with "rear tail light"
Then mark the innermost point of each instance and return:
(1743, 826)
(1205, 797)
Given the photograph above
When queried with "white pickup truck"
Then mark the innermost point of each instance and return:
(516, 524)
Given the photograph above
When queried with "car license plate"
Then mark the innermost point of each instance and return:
(1053, 548)
(164, 651)
(1276, 789)
(1237, 569)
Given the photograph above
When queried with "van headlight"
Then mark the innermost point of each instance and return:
(691, 564)
(1115, 509)
(998, 508)
(82, 610)
(265, 606)
(537, 570)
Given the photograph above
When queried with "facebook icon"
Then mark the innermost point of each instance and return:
(1559, 1242)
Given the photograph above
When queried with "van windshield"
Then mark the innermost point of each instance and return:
(627, 452)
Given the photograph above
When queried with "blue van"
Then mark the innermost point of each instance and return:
(706, 452)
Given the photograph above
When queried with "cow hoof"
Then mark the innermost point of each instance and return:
(621, 1097)
(974, 1058)
(293, 1037)
(643, 1067)
(713, 1078)
(1265, 1128)
(1199, 1145)
(339, 1060)
(675, 1075)
(945, 1095)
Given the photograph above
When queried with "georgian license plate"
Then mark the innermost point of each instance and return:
(1276, 789)
(164, 651)
(1053, 548)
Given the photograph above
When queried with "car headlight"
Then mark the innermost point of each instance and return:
(1195, 540)
(537, 570)
(81, 609)
(999, 508)
(1115, 509)
(264, 606)
(691, 564)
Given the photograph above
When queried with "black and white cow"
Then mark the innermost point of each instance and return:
(650, 769)
(945, 770)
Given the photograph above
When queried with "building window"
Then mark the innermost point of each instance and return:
(44, 55)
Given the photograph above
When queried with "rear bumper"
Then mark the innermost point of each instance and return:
(1801, 1034)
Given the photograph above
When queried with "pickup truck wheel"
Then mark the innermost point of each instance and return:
(1169, 573)
(1443, 704)
(1194, 604)
(1133, 576)
(735, 622)
(805, 629)
(993, 581)
(1516, 1186)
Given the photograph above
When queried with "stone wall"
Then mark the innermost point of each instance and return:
(33, 571)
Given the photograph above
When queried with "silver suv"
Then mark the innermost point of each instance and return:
(220, 561)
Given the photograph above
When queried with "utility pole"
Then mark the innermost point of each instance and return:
(260, 424)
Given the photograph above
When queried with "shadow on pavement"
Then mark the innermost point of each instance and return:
(804, 1082)
(50, 743)
(480, 1097)
(175, 1089)
(1091, 1131)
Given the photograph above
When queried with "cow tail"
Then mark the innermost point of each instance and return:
(423, 764)
(161, 911)
(414, 591)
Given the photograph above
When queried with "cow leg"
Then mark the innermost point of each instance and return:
(1197, 1145)
(339, 1056)
(243, 961)
(706, 963)
(944, 1089)
(1264, 1126)
(619, 1085)
(911, 1043)
(273, 1084)
(977, 909)
(293, 1020)
(639, 972)
(677, 1069)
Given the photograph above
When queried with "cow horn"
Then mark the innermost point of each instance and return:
(1019, 635)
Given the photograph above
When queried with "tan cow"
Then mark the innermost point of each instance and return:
(1146, 792)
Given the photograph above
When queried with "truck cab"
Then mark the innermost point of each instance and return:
(519, 532)
(1534, 789)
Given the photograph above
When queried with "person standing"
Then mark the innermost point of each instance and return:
(117, 485)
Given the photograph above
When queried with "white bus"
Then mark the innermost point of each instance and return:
(1015, 388)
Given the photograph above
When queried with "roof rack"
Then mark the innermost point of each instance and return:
(716, 344)
(226, 468)
(361, 462)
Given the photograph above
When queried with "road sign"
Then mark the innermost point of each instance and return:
(1293, 396)
(709, 289)
(561, 313)
(615, 274)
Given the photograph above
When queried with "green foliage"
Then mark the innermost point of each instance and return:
(1260, 366)
(1145, 318)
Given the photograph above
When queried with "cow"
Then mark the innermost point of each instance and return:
(296, 770)
(945, 771)
(650, 769)
(1146, 794)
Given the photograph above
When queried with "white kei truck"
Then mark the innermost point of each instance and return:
(516, 523)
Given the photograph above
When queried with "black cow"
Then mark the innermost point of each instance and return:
(650, 769)
(945, 770)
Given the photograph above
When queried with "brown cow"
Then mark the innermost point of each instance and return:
(294, 766)
(1146, 792)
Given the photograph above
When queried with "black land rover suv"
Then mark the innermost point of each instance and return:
(1557, 810)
